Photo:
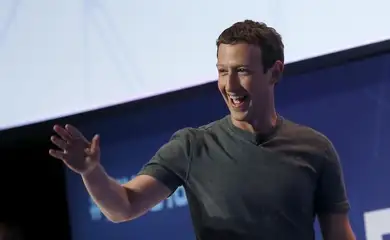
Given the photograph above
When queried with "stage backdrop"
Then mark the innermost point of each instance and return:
(350, 104)
(109, 52)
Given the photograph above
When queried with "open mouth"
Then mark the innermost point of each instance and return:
(237, 100)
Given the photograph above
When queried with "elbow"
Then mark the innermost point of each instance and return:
(119, 218)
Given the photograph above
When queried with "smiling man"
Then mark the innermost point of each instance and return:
(251, 175)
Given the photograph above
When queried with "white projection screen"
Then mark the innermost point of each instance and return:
(59, 58)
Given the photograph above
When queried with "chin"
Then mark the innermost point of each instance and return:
(239, 116)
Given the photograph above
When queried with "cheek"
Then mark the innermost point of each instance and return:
(255, 85)
(248, 84)
(221, 86)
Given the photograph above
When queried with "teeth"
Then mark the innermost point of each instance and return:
(236, 98)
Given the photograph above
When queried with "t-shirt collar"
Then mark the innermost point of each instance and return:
(255, 138)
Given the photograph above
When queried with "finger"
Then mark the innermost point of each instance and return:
(62, 133)
(58, 154)
(88, 151)
(95, 143)
(75, 132)
(59, 142)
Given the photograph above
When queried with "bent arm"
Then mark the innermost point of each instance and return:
(125, 202)
(155, 182)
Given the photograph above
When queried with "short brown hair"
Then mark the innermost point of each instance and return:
(256, 33)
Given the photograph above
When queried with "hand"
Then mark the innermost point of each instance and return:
(76, 151)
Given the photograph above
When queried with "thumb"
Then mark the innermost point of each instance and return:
(95, 143)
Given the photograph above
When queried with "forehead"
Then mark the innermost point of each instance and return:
(238, 54)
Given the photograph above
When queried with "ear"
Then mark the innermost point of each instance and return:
(277, 71)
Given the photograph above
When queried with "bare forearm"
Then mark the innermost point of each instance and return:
(108, 194)
(336, 226)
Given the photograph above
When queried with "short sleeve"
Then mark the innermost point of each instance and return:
(331, 196)
(170, 163)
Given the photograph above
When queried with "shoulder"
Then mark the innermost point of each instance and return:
(303, 135)
(202, 133)
(211, 128)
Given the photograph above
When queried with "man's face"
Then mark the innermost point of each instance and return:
(246, 89)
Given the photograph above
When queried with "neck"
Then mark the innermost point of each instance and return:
(261, 124)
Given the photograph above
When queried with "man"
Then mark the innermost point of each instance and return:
(250, 175)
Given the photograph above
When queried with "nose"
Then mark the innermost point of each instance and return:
(233, 82)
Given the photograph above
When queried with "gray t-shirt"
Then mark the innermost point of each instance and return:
(241, 185)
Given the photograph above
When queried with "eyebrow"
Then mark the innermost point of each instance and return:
(234, 66)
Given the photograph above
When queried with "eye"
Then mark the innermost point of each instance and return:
(243, 71)
(222, 71)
